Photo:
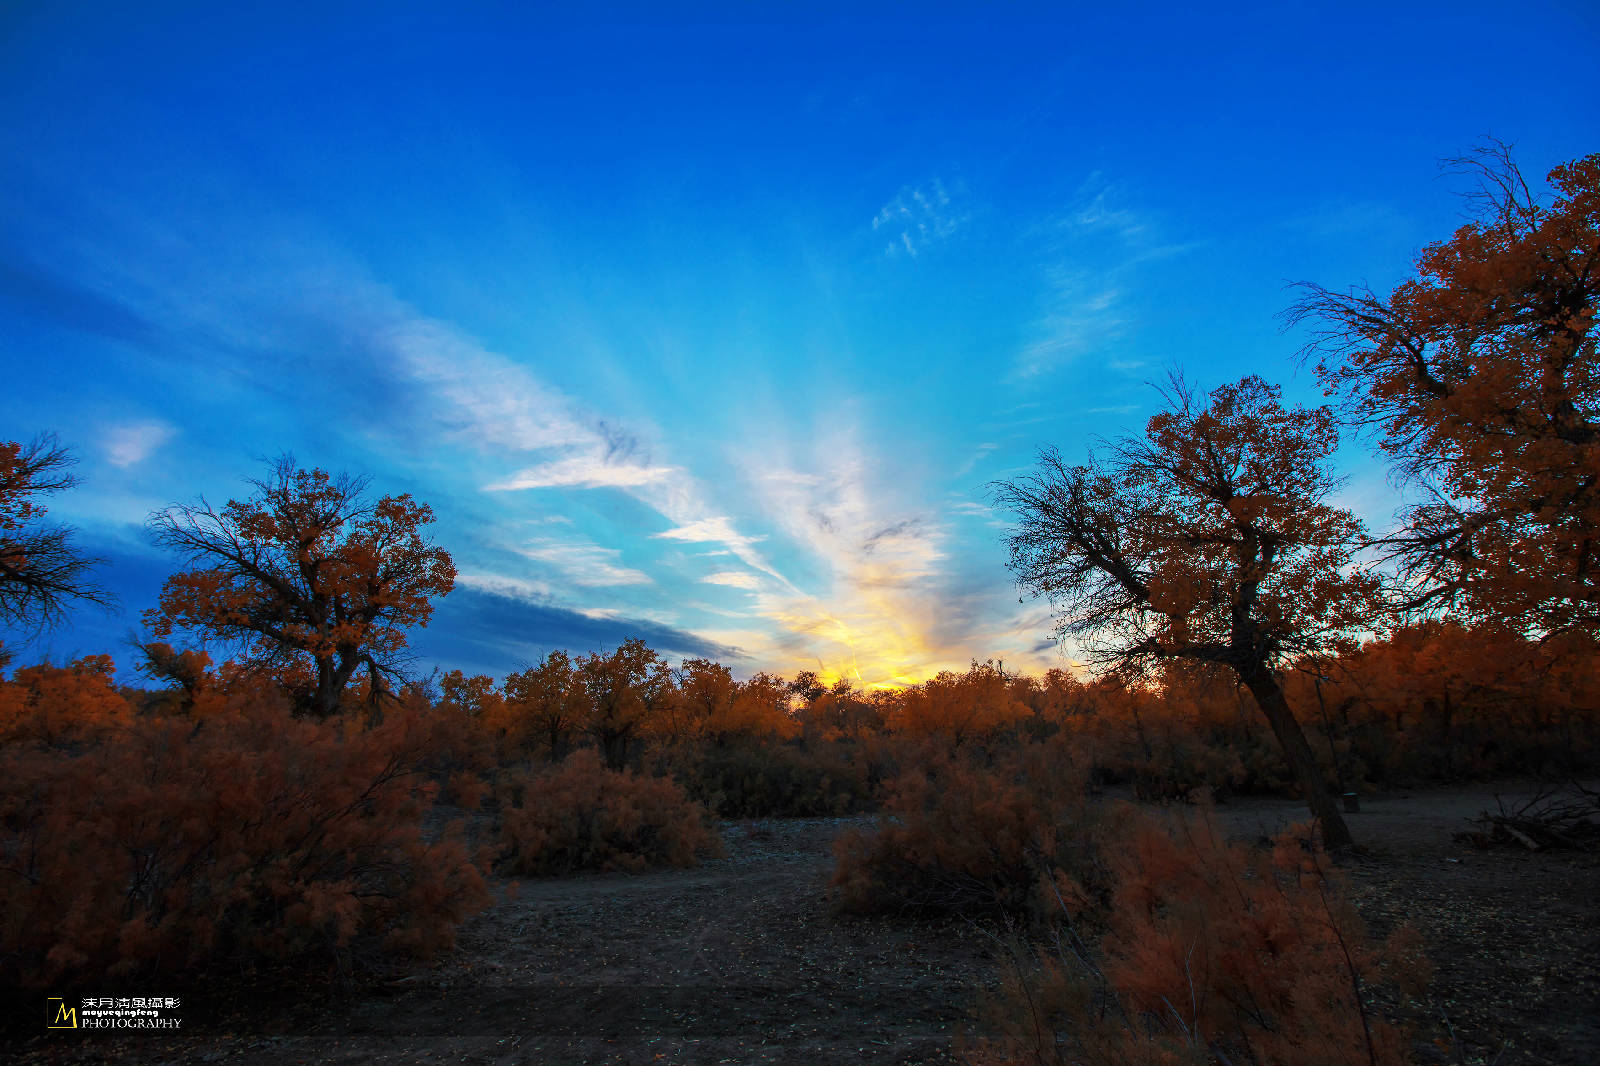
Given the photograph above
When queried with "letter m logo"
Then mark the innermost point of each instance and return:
(61, 1015)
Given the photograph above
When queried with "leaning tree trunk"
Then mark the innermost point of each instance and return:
(1264, 687)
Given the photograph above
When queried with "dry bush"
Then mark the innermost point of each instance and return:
(465, 789)
(1213, 954)
(771, 780)
(1181, 767)
(583, 816)
(961, 839)
(245, 837)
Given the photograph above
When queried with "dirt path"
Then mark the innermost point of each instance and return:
(739, 961)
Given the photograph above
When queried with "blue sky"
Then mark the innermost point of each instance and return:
(705, 327)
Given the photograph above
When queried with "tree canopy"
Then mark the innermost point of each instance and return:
(304, 573)
(1211, 539)
(1479, 376)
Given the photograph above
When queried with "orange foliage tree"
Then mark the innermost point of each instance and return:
(1480, 376)
(960, 707)
(542, 703)
(841, 712)
(711, 705)
(40, 569)
(1212, 540)
(760, 708)
(1056, 697)
(476, 695)
(705, 695)
(188, 671)
(627, 691)
(305, 573)
(1440, 700)
(62, 707)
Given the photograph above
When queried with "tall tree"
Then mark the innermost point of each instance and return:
(304, 573)
(1210, 539)
(627, 692)
(544, 702)
(1479, 376)
(41, 570)
(706, 694)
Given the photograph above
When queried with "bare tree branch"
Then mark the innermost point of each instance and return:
(41, 569)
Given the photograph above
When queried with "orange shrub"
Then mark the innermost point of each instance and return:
(246, 837)
(1214, 954)
(770, 780)
(583, 816)
(962, 840)
(62, 706)
(466, 790)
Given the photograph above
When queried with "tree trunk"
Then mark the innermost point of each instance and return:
(1269, 697)
(614, 748)
(325, 700)
(331, 681)
(1138, 727)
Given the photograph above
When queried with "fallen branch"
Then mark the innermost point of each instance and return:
(1556, 818)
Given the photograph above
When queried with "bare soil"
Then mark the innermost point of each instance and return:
(741, 961)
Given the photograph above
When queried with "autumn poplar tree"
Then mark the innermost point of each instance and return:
(627, 692)
(546, 702)
(1210, 539)
(305, 574)
(1480, 378)
(706, 694)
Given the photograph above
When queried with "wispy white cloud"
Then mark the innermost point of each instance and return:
(1100, 211)
(975, 458)
(877, 562)
(1090, 273)
(881, 601)
(919, 216)
(518, 588)
(504, 409)
(582, 471)
(718, 528)
(733, 579)
(131, 443)
(480, 394)
(1083, 314)
(585, 565)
